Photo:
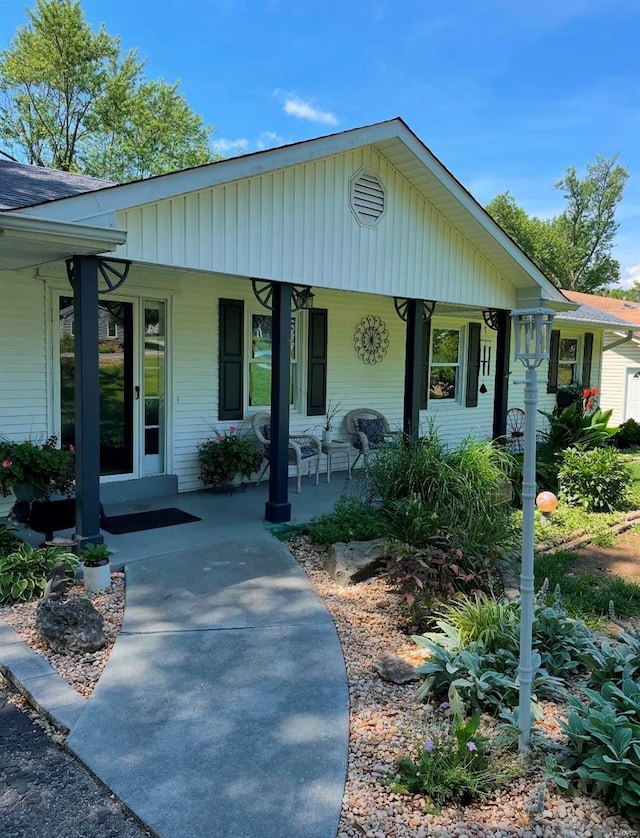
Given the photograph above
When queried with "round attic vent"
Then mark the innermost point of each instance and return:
(367, 197)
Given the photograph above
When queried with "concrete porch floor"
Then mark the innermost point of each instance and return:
(223, 516)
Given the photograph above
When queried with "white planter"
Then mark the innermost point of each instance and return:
(97, 578)
(327, 437)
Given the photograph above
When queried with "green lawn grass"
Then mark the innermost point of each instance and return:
(586, 596)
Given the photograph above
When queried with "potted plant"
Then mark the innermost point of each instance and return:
(96, 567)
(42, 477)
(329, 416)
(227, 459)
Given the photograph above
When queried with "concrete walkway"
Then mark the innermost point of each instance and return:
(223, 709)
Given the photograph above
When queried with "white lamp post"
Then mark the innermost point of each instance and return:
(532, 330)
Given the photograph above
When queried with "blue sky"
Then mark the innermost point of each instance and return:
(507, 93)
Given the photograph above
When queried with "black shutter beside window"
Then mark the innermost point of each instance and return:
(426, 342)
(586, 359)
(554, 352)
(317, 362)
(231, 360)
(473, 365)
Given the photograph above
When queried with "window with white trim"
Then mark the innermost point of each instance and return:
(112, 329)
(444, 368)
(567, 362)
(260, 358)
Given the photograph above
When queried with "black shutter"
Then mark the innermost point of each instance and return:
(426, 341)
(586, 359)
(231, 360)
(554, 351)
(473, 365)
(317, 363)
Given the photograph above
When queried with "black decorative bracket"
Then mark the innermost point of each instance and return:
(114, 272)
(401, 304)
(490, 317)
(301, 295)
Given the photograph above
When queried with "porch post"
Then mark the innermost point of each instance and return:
(501, 388)
(277, 508)
(87, 400)
(413, 369)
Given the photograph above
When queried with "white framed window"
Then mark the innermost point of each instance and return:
(260, 358)
(112, 329)
(444, 365)
(567, 362)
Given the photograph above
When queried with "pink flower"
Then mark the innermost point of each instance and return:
(232, 430)
(7, 463)
(72, 448)
(220, 438)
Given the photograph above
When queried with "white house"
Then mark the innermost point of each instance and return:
(411, 284)
(620, 377)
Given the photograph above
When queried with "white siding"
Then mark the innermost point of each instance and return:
(616, 365)
(23, 363)
(546, 401)
(295, 225)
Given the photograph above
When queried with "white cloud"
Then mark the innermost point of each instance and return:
(269, 139)
(301, 109)
(230, 148)
(630, 276)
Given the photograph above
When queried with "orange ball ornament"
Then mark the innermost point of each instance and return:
(546, 501)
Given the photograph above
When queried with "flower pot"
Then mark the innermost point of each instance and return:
(46, 516)
(327, 436)
(97, 577)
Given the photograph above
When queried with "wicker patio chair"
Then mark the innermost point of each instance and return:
(367, 430)
(301, 448)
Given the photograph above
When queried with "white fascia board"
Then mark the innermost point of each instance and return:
(16, 226)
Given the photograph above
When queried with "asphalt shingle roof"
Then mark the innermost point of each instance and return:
(589, 314)
(23, 185)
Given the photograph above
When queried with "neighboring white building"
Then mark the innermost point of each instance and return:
(620, 377)
(366, 219)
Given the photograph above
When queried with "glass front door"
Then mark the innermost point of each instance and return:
(132, 389)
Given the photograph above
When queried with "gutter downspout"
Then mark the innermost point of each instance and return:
(620, 341)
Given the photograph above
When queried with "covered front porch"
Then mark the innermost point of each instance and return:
(222, 516)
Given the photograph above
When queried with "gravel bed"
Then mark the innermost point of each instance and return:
(80, 670)
(385, 720)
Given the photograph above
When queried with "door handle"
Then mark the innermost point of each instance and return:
(137, 391)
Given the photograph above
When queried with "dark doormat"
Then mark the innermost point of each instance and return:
(151, 520)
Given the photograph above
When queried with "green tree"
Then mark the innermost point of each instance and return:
(574, 249)
(70, 100)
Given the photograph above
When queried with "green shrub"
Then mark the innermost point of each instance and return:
(597, 480)
(8, 540)
(426, 490)
(575, 426)
(615, 661)
(422, 575)
(604, 744)
(476, 650)
(627, 435)
(457, 768)
(351, 520)
(23, 573)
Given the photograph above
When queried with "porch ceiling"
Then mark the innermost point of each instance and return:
(28, 241)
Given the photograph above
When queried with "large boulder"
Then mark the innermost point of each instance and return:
(355, 561)
(71, 626)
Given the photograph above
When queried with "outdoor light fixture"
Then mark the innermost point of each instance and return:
(532, 334)
(546, 502)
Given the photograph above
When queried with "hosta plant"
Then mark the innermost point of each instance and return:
(604, 744)
(23, 572)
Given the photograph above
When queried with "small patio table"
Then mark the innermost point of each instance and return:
(329, 448)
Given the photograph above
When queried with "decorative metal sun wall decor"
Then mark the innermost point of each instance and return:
(371, 339)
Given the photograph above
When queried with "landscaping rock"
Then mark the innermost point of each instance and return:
(71, 626)
(394, 669)
(355, 561)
